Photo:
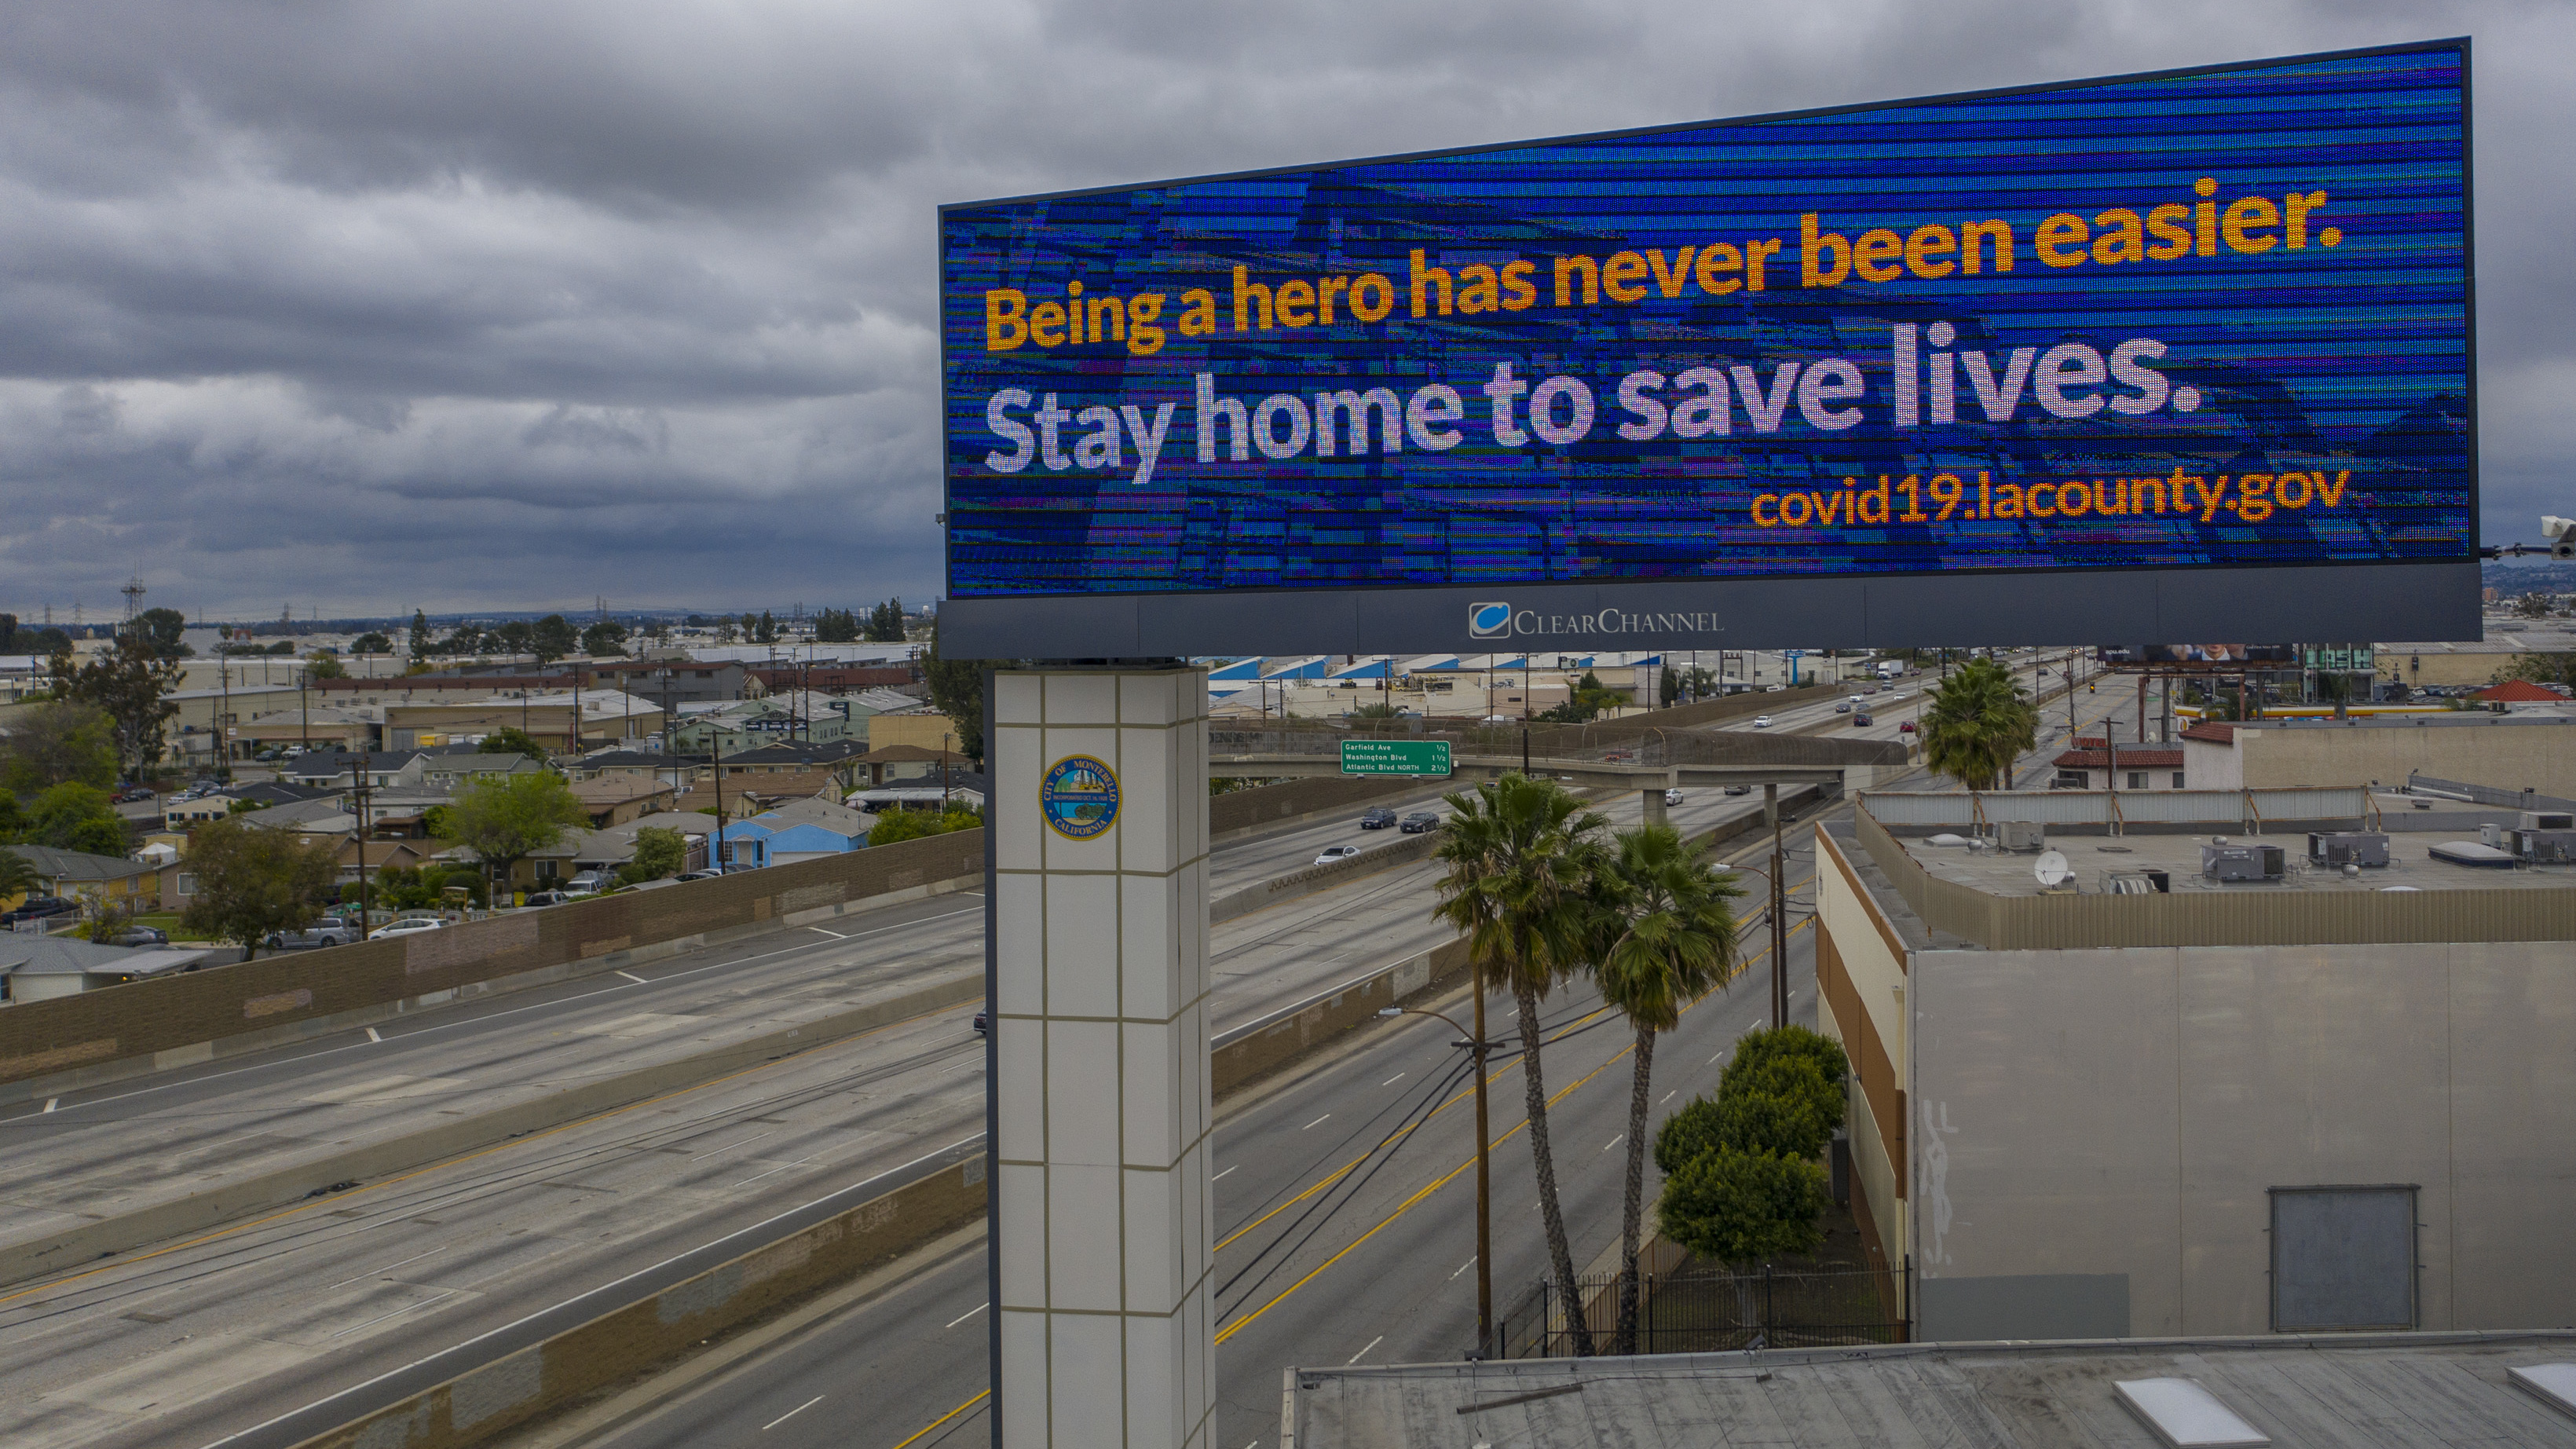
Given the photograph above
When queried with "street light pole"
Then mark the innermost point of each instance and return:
(1477, 1044)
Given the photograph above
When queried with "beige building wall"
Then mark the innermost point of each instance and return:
(2502, 751)
(1861, 1004)
(930, 731)
(2098, 1129)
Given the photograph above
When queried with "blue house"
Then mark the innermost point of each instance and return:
(798, 830)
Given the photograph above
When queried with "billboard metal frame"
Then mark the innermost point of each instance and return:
(2034, 605)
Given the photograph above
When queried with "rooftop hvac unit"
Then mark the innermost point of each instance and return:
(2548, 820)
(2348, 847)
(2137, 883)
(2021, 835)
(2546, 847)
(2242, 862)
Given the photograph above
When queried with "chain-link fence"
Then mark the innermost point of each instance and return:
(1701, 1312)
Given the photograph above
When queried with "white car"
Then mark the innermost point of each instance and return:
(1762, 721)
(1672, 797)
(405, 927)
(1334, 853)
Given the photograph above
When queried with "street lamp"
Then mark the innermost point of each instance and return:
(1484, 1182)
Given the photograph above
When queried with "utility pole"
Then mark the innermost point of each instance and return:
(1779, 921)
(715, 753)
(360, 788)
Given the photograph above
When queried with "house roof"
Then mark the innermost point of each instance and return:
(2520, 691)
(909, 755)
(793, 785)
(321, 817)
(2132, 757)
(28, 955)
(77, 865)
(2210, 732)
(803, 752)
(827, 813)
(618, 789)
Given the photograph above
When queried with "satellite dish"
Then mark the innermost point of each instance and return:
(2052, 870)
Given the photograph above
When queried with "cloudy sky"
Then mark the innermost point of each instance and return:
(359, 308)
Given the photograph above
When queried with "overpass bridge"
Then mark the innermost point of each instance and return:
(1650, 780)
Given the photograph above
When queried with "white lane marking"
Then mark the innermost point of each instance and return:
(49, 1104)
(1325, 1118)
(397, 1313)
(631, 976)
(1754, 1025)
(782, 1167)
(487, 1019)
(792, 1413)
(1668, 1096)
(1363, 1353)
(730, 1146)
(371, 1035)
(1615, 1141)
(969, 1313)
(1391, 1081)
(1220, 1176)
(835, 935)
(1712, 1059)
(380, 1272)
(1463, 1267)
(857, 1191)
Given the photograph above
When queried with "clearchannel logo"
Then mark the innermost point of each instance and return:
(1496, 620)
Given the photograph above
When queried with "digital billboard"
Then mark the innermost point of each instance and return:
(2176, 355)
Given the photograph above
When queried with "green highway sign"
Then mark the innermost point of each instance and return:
(1396, 757)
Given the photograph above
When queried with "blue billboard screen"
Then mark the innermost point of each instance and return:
(2207, 319)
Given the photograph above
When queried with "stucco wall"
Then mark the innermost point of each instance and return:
(2102, 1125)
(2507, 753)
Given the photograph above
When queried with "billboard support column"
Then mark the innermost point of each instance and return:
(1099, 1080)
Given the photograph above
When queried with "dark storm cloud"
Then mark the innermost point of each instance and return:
(500, 305)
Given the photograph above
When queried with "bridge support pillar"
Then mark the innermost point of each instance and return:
(1770, 805)
(1097, 1077)
(1655, 806)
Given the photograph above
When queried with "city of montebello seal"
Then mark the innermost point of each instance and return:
(1079, 797)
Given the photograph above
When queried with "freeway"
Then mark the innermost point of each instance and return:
(221, 1330)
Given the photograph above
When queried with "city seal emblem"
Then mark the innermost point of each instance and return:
(1079, 797)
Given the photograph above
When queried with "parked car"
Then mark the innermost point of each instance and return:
(1861, 721)
(132, 794)
(1739, 789)
(1333, 853)
(549, 898)
(1672, 797)
(1762, 721)
(313, 938)
(699, 875)
(1376, 817)
(37, 908)
(407, 926)
(591, 882)
(1420, 822)
(140, 936)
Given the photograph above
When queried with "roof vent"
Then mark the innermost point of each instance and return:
(2470, 853)
(2553, 1384)
(2184, 1415)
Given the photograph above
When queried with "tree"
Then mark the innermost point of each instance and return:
(161, 629)
(507, 819)
(1520, 857)
(957, 691)
(253, 882)
(553, 637)
(1978, 722)
(13, 819)
(73, 816)
(659, 852)
(836, 626)
(1741, 1180)
(126, 684)
(901, 825)
(724, 631)
(2541, 669)
(52, 743)
(885, 622)
(322, 664)
(468, 639)
(372, 642)
(17, 877)
(512, 740)
(607, 637)
(766, 631)
(421, 643)
(518, 636)
(1672, 940)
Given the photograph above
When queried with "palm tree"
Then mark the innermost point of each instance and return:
(1672, 938)
(1521, 855)
(17, 877)
(1979, 721)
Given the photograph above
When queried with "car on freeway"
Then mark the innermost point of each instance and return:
(1672, 797)
(1857, 698)
(1335, 853)
(983, 1024)
(1906, 728)
(1862, 721)
(312, 938)
(37, 908)
(407, 926)
(1739, 789)
(1420, 822)
(1376, 817)
(140, 936)
(1762, 721)
(1844, 708)
(131, 794)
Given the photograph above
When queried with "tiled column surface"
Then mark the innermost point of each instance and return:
(1101, 1040)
